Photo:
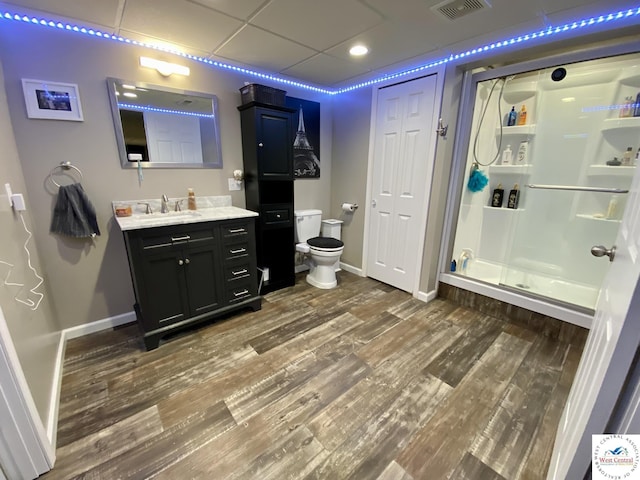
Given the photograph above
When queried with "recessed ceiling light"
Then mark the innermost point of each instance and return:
(358, 50)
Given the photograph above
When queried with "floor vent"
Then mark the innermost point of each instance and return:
(454, 9)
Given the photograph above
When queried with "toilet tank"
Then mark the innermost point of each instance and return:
(307, 224)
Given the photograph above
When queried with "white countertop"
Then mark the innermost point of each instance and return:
(210, 209)
(137, 221)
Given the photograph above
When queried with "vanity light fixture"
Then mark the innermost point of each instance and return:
(130, 95)
(164, 68)
(358, 50)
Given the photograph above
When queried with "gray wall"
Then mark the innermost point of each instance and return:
(35, 333)
(351, 125)
(90, 281)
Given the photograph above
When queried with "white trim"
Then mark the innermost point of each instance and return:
(426, 296)
(24, 446)
(56, 387)
(99, 325)
(351, 269)
(533, 304)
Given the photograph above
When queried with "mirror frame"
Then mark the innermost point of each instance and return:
(117, 123)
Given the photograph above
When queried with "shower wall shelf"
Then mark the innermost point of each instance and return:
(510, 169)
(515, 93)
(586, 216)
(619, 123)
(528, 130)
(610, 171)
(503, 209)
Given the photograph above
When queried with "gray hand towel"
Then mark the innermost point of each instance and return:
(73, 214)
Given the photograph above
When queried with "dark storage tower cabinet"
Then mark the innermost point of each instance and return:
(267, 146)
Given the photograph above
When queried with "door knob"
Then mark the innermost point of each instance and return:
(601, 251)
(373, 203)
(180, 262)
(187, 261)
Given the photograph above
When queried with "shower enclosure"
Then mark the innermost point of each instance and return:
(560, 187)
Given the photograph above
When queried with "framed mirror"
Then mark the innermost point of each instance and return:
(161, 127)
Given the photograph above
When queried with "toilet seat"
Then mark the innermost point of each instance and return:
(325, 244)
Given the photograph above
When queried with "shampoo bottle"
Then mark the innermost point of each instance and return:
(522, 116)
(512, 118)
(521, 158)
(498, 196)
(626, 157)
(507, 156)
(191, 199)
(514, 197)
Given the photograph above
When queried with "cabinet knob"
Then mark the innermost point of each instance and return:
(187, 261)
(261, 144)
(180, 262)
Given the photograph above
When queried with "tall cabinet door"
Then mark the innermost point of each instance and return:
(275, 146)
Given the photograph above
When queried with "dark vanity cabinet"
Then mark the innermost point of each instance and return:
(185, 274)
(267, 146)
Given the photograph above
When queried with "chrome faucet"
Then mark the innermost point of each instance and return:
(165, 207)
(148, 210)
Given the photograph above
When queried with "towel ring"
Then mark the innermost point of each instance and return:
(63, 166)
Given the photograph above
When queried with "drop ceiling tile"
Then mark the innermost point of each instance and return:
(324, 70)
(179, 21)
(98, 13)
(236, 8)
(161, 42)
(388, 43)
(253, 46)
(317, 24)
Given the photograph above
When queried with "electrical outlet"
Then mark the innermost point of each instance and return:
(234, 185)
(17, 199)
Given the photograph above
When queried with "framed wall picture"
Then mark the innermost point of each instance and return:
(52, 100)
(306, 146)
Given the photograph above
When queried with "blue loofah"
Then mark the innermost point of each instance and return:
(477, 180)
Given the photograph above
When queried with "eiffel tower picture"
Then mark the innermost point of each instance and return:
(305, 161)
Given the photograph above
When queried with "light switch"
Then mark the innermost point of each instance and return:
(234, 185)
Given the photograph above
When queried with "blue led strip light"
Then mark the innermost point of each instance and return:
(144, 108)
(546, 32)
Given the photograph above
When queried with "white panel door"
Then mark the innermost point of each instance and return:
(402, 166)
(608, 354)
(173, 138)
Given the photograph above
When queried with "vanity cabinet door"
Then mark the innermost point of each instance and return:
(163, 290)
(201, 269)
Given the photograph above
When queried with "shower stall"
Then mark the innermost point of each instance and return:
(558, 147)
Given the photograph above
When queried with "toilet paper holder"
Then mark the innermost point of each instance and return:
(349, 207)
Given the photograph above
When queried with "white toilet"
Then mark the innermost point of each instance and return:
(324, 251)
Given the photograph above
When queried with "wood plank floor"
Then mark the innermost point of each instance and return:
(360, 382)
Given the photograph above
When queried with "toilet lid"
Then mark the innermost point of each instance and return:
(325, 242)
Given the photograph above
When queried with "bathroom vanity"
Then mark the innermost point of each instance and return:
(190, 267)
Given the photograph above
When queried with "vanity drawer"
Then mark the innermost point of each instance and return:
(240, 291)
(238, 270)
(235, 232)
(236, 251)
(277, 215)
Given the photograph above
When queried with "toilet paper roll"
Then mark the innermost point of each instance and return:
(349, 207)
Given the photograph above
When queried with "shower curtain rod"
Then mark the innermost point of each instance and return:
(577, 188)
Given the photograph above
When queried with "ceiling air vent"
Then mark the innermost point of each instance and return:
(454, 9)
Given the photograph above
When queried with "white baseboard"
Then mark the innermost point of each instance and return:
(68, 334)
(351, 269)
(426, 296)
(99, 325)
(56, 386)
